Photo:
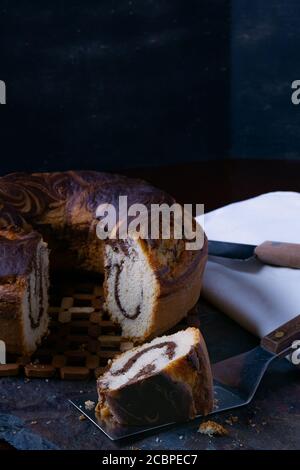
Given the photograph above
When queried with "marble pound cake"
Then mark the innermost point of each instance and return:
(149, 285)
(166, 380)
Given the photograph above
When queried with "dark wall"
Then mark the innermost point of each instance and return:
(109, 84)
(264, 61)
(112, 84)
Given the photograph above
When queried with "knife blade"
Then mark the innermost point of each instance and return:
(269, 252)
(230, 250)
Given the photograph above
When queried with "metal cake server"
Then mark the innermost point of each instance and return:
(235, 380)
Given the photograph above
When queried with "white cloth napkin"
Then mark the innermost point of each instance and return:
(258, 296)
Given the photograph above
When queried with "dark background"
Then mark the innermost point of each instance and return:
(113, 84)
(265, 61)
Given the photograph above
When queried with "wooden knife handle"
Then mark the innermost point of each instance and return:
(279, 254)
(283, 337)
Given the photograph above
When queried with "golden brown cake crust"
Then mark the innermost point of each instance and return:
(11, 297)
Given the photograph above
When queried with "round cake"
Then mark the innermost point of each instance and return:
(149, 285)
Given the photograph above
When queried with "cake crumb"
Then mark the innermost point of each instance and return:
(82, 418)
(33, 422)
(231, 420)
(211, 428)
(89, 405)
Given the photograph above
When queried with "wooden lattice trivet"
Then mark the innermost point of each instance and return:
(82, 337)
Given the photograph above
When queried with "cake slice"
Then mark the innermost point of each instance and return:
(24, 286)
(166, 380)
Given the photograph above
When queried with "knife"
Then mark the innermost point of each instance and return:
(270, 252)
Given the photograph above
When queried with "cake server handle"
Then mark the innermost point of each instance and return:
(283, 337)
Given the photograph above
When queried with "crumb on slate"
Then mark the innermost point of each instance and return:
(211, 428)
(89, 405)
(231, 420)
(82, 418)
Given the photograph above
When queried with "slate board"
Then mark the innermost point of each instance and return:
(35, 414)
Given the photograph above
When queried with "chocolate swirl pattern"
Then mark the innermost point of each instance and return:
(168, 346)
(149, 285)
(23, 290)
